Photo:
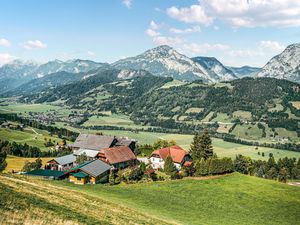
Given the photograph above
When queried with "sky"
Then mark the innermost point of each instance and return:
(236, 32)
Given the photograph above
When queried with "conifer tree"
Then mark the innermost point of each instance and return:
(3, 163)
(169, 166)
(201, 146)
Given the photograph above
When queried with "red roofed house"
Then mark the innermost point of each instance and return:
(119, 157)
(179, 155)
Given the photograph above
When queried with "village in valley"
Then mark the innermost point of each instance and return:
(98, 158)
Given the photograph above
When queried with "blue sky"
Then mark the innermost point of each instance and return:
(237, 32)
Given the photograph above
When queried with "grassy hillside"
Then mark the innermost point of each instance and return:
(33, 137)
(232, 199)
(31, 201)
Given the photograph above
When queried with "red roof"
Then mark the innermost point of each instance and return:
(177, 153)
(187, 163)
(118, 154)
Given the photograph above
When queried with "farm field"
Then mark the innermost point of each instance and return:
(31, 136)
(117, 120)
(16, 163)
(254, 200)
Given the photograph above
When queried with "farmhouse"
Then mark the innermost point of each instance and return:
(179, 156)
(119, 157)
(92, 142)
(95, 171)
(61, 163)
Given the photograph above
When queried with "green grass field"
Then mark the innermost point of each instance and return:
(112, 120)
(31, 136)
(232, 199)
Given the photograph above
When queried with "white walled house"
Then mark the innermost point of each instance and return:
(179, 156)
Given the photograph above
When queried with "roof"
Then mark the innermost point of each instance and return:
(77, 167)
(93, 141)
(67, 159)
(118, 154)
(46, 173)
(123, 141)
(88, 152)
(95, 167)
(177, 153)
(187, 163)
(80, 174)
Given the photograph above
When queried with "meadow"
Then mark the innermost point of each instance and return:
(231, 199)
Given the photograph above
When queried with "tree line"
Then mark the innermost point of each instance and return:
(25, 150)
(207, 163)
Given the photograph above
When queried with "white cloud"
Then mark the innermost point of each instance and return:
(241, 13)
(4, 42)
(152, 33)
(162, 40)
(185, 31)
(152, 30)
(194, 48)
(6, 58)
(90, 53)
(35, 44)
(127, 3)
(155, 26)
(272, 45)
(192, 14)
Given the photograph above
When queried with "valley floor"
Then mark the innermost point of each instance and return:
(229, 199)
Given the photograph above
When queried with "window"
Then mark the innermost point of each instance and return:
(78, 178)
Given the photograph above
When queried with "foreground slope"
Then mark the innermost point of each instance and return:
(31, 201)
(231, 199)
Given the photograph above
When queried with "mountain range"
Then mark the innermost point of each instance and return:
(19, 77)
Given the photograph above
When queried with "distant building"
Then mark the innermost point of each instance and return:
(61, 163)
(179, 156)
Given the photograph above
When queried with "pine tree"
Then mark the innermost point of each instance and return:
(195, 149)
(38, 164)
(283, 175)
(201, 146)
(3, 163)
(169, 166)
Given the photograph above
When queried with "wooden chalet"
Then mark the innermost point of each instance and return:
(93, 172)
(119, 157)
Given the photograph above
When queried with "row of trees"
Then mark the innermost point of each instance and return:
(207, 163)
(3, 163)
(282, 170)
(25, 150)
